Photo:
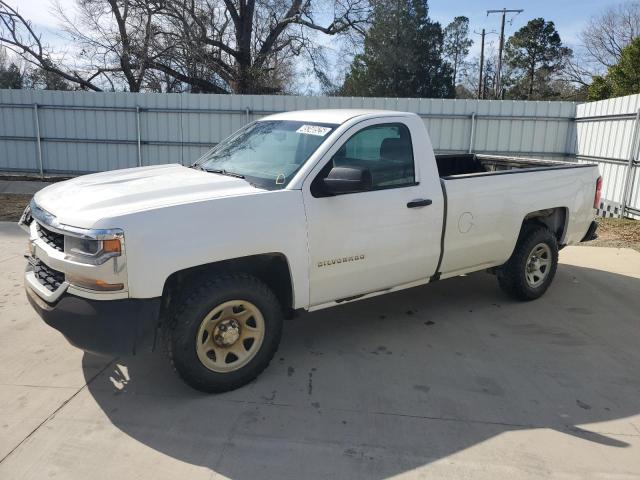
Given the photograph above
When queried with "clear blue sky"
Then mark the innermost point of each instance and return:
(570, 16)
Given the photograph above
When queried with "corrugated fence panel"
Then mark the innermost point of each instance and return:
(608, 132)
(83, 132)
(86, 131)
(17, 148)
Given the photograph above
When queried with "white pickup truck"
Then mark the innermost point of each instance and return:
(296, 211)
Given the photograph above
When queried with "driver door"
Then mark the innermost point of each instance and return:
(372, 240)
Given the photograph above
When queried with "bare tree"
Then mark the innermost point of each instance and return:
(470, 74)
(220, 46)
(244, 43)
(608, 33)
(114, 36)
(576, 71)
(18, 35)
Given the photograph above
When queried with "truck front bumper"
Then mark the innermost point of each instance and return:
(125, 326)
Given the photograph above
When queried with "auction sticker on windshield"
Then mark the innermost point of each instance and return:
(313, 130)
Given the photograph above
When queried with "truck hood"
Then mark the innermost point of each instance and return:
(83, 201)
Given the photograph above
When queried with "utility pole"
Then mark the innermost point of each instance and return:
(504, 12)
(397, 53)
(480, 81)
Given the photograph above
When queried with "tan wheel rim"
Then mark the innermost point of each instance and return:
(538, 265)
(230, 336)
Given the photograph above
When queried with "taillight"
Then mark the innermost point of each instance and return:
(598, 195)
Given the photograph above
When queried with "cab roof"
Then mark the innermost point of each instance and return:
(336, 116)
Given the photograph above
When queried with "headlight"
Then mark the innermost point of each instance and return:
(94, 252)
(26, 219)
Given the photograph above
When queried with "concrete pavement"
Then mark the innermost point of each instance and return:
(451, 380)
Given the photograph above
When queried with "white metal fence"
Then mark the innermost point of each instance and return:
(80, 132)
(608, 132)
(85, 132)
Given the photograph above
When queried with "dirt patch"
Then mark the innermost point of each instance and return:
(617, 232)
(12, 205)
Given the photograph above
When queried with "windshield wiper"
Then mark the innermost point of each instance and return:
(224, 172)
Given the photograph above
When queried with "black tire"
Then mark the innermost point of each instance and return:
(512, 276)
(196, 305)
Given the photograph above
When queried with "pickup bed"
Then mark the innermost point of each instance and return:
(296, 211)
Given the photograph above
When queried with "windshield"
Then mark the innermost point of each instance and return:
(266, 153)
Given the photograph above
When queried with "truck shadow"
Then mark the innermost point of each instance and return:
(386, 385)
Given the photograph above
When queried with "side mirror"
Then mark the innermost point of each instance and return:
(347, 180)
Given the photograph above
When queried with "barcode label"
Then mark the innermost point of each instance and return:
(313, 130)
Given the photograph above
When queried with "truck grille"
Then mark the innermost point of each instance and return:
(53, 239)
(47, 276)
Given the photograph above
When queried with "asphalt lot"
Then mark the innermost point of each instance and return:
(451, 380)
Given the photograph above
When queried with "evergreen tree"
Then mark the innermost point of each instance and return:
(622, 78)
(625, 76)
(402, 55)
(457, 44)
(534, 54)
(10, 74)
(10, 77)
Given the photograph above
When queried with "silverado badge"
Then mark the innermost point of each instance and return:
(335, 261)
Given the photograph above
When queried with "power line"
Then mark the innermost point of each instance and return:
(504, 12)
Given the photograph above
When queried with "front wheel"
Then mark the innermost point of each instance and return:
(532, 266)
(225, 333)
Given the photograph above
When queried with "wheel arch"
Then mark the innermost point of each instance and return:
(272, 268)
(555, 219)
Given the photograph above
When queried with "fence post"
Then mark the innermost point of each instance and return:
(38, 144)
(138, 134)
(472, 136)
(630, 166)
(246, 115)
(571, 126)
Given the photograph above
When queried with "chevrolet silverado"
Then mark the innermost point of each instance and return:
(296, 211)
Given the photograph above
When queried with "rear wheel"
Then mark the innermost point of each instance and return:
(532, 266)
(225, 333)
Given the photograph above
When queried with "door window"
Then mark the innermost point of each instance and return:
(383, 149)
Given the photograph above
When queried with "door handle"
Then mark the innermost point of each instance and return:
(419, 203)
